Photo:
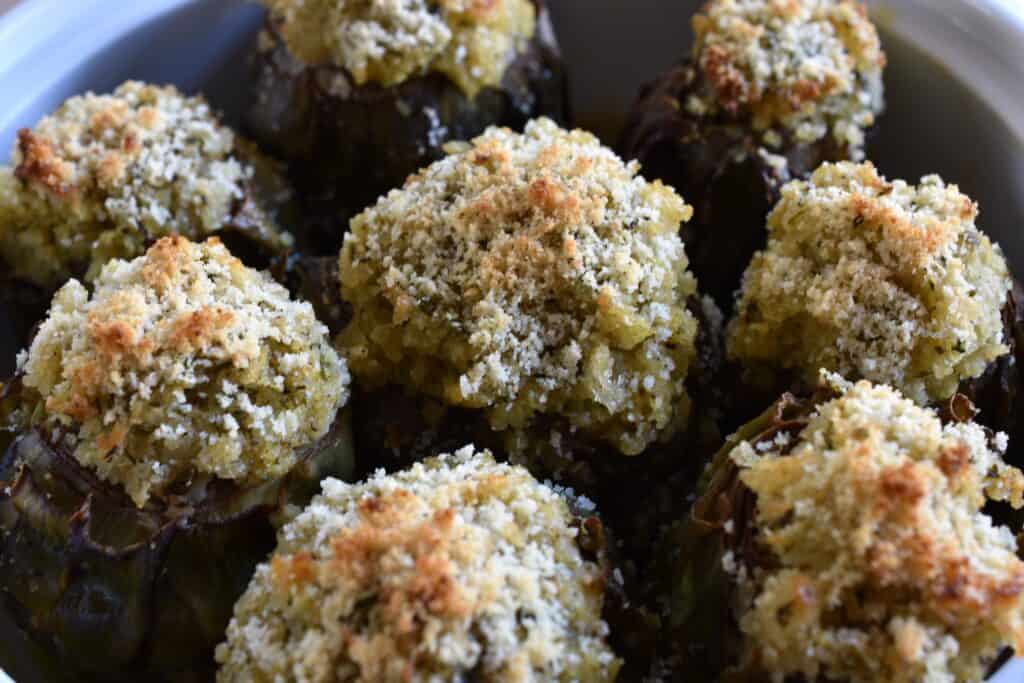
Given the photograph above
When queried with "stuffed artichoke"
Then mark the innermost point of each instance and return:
(842, 539)
(770, 91)
(457, 569)
(358, 95)
(160, 425)
(883, 281)
(106, 175)
(529, 291)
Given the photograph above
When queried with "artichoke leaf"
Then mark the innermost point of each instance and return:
(123, 592)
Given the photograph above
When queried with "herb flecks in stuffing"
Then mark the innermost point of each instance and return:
(525, 275)
(883, 566)
(458, 567)
(104, 175)
(388, 41)
(183, 363)
(806, 68)
(877, 280)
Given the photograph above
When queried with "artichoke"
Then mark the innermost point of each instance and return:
(315, 279)
(161, 427)
(699, 590)
(105, 176)
(117, 592)
(458, 568)
(351, 134)
(903, 288)
(731, 124)
(529, 294)
(790, 564)
(995, 392)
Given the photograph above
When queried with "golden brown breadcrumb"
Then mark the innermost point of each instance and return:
(874, 279)
(105, 174)
(524, 275)
(883, 566)
(809, 68)
(388, 41)
(454, 568)
(183, 363)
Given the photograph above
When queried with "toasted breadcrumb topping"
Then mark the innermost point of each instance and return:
(105, 174)
(524, 275)
(884, 566)
(388, 41)
(183, 364)
(811, 68)
(456, 569)
(876, 280)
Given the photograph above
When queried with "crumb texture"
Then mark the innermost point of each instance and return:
(798, 69)
(456, 569)
(104, 175)
(528, 275)
(388, 41)
(183, 363)
(884, 567)
(876, 280)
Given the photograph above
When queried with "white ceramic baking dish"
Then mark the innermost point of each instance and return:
(955, 89)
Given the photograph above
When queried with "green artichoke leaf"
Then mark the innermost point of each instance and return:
(697, 553)
(118, 592)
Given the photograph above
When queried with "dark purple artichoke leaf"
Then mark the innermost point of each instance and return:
(718, 166)
(997, 394)
(117, 592)
(315, 279)
(23, 305)
(267, 209)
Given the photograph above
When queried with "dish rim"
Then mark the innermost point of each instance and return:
(28, 33)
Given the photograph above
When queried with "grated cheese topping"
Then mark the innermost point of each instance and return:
(184, 363)
(526, 275)
(389, 41)
(876, 280)
(105, 174)
(808, 68)
(884, 566)
(456, 569)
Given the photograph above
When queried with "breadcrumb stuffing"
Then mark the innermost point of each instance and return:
(105, 174)
(388, 41)
(528, 274)
(876, 280)
(884, 567)
(808, 68)
(456, 569)
(184, 363)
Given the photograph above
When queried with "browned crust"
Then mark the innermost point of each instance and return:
(954, 461)
(721, 55)
(361, 555)
(112, 439)
(290, 571)
(41, 166)
(199, 329)
(168, 257)
(730, 84)
(358, 555)
(112, 337)
(922, 244)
